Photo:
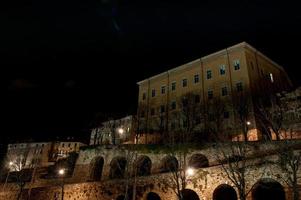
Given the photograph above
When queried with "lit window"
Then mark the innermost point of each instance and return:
(222, 69)
(153, 92)
(236, 64)
(184, 82)
(210, 94)
(239, 87)
(271, 77)
(163, 90)
(209, 74)
(224, 91)
(144, 96)
(173, 105)
(196, 78)
(173, 86)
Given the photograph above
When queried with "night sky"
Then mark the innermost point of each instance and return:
(63, 61)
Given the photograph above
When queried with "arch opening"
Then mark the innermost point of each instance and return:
(117, 167)
(120, 197)
(268, 189)
(153, 196)
(169, 164)
(96, 168)
(198, 161)
(224, 192)
(143, 166)
(190, 195)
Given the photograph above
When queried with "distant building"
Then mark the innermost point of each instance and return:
(41, 154)
(116, 131)
(226, 74)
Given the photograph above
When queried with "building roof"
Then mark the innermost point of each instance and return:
(234, 47)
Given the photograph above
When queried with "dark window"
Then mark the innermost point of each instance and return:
(173, 86)
(224, 91)
(153, 92)
(185, 123)
(75, 145)
(197, 120)
(226, 114)
(185, 102)
(209, 74)
(252, 65)
(142, 114)
(211, 117)
(69, 145)
(236, 65)
(210, 94)
(173, 105)
(239, 87)
(144, 96)
(152, 111)
(163, 90)
(63, 144)
(197, 98)
(173, 125)
(184, 82)
(162, 108)
(222, 70)
(196, 78)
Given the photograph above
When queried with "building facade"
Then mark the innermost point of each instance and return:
(116, 131)
(227, 75)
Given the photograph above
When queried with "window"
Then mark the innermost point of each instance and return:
(226, 114)
(210, 94)
(224, 91)
(143, 96)
(173, 105)
(184, 82)
(196, 78)
(162, 108)
(153, 92)
(173, 86)
(197, 98)
(163, 90)
(185, 123)
(75, 145)
(142, 113)
(236, 65)
(222, 69)
(239, 87)
(211, 117)
(152, 111)
(197, 120)
(173, 125)
(63, 144)
(69, 145)
(185, 102)
(271, 78)
(209, 74)
(252, 65)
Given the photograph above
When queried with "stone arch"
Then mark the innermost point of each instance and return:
(96, 168)
(268, 188)
(152, 196)
(190, 195)
(120, 197)
(224, 192)
(143, 166)
(169, 164)
(198, 161)
(117, 167)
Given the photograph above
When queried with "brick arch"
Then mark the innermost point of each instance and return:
(143, 166)
(169, 164)
(189, 194)
(152, 196)
(117, 167)
(96, 168)
(224, 192)
(198, 161)
(268, 188)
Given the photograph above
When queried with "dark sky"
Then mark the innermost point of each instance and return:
(63, 61)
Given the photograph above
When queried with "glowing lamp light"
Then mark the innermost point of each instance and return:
(190, 171)
(248, 123)
(120, 130)
(10, 163)
(61, 172)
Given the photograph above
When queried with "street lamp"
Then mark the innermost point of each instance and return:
(190, 171)
(248, 123)
(61, 173)
(120, 131)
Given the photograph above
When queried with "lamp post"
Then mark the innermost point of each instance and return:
(61, 173)
(6, 179)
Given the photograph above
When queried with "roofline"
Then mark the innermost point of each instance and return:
(234, 47)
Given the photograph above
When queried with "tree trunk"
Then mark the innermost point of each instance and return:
(20, 193)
